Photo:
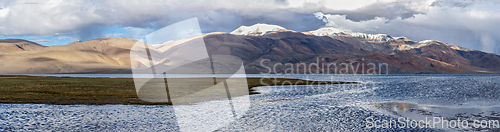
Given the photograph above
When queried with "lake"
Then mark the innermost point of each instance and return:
(350, 107)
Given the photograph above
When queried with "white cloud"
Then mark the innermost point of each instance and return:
(4, 12)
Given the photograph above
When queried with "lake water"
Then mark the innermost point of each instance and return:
(293, 108)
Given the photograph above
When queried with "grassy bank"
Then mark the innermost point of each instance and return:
(97, 91)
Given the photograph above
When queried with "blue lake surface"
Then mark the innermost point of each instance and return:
(343, 107)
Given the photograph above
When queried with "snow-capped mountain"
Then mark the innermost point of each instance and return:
(396, 44)
(261, 29)
(257, 29)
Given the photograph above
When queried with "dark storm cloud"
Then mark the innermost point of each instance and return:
(379, 9)
(89, 32)
(463, 23)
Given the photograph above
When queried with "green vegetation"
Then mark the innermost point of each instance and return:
(95, 91)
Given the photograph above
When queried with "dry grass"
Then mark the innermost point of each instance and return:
(92, 91)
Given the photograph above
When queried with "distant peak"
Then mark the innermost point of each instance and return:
(257, 29)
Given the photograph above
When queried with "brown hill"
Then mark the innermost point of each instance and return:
(294, 48)
(9, 45)
(88, 56)
(260, 53)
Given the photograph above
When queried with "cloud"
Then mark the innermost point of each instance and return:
(465, 23)
(65, 38)
(89, 32)
(25, 17)
(468, 24)
(114, 35)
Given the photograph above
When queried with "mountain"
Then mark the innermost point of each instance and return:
(333, 45)
(24, 57)
(262, 48)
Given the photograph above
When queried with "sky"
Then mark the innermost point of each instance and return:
(472, 24)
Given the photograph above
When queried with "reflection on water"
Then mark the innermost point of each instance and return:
(294, 108)
(403, 107)
(468, 118)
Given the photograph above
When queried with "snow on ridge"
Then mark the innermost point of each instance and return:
(257, 29)
(261, 29)
(326, 31)
(396, 38)
(425, 41)
(376, 37)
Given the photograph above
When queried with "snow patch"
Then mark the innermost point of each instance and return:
(425, 41)
(326, 31)
(396, 38)
(373, 37)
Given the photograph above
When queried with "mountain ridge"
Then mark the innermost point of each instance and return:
(261, 42)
